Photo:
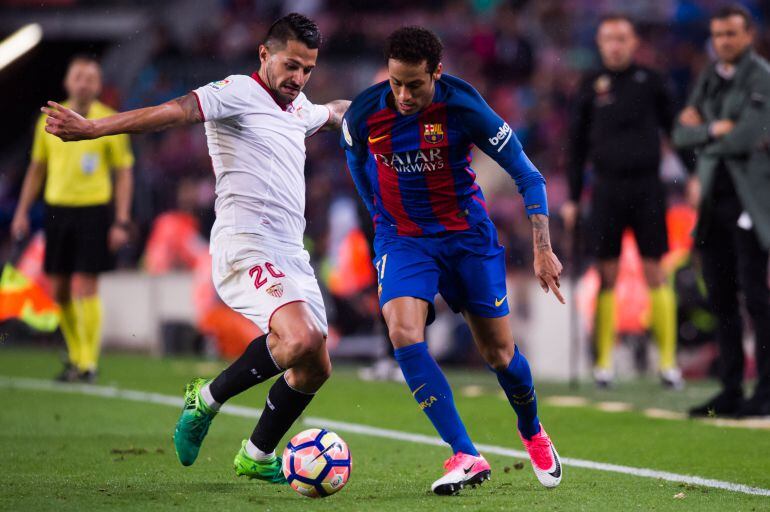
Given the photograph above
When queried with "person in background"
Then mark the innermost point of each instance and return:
(726, 121)
(81, 227)
(620, 112)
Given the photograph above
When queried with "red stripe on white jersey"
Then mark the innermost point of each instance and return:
(200, 108)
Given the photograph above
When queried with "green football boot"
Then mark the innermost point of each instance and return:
(268, 470)
(193, 424)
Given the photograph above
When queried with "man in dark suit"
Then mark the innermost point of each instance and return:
(727, 121)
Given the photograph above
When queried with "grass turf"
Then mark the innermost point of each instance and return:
(72, 452)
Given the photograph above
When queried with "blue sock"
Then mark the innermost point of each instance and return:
(516, 381)
(431, 390)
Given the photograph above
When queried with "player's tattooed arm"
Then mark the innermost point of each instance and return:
(547, 266)
(337, 109)
(69, 125)
(540, 232)
(190, 107)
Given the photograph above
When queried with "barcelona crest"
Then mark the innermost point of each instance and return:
(434, 133)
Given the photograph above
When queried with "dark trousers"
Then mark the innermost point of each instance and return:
(735, 264)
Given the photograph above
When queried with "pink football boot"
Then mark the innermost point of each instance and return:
(545, 460)
(461, 470)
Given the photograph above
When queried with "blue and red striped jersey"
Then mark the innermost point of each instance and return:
(414, 172)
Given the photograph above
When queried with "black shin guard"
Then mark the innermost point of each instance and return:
(282, 408)
(254, 366)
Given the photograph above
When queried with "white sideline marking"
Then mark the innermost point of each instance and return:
(664, 414)
(567, 401)
(760, 423)
(614, 406)
(355, 428)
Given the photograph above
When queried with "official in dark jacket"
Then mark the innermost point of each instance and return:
(617, 120)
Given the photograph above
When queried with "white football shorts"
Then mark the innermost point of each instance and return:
(256, 279)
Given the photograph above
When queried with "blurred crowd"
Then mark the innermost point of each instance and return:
(525, 57)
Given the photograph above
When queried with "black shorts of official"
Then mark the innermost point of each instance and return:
(636, 203)
(76, 239)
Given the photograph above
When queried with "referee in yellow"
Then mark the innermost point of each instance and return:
(81, 230)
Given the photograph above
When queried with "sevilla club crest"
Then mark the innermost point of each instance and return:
(276, 290)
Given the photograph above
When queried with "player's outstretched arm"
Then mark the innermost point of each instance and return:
(69, 125)
(547, 266)
(337, 109)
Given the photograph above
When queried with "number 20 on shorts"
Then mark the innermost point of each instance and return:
(259, 280)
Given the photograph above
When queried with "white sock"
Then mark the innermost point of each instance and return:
(208, 399)
(257, 454)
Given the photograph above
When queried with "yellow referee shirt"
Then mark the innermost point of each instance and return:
(78, 173)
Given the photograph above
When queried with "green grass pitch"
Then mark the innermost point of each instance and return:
(75, 452)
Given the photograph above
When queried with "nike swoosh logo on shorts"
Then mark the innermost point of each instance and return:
(499, 303)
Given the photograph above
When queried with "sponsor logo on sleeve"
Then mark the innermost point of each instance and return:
(346, 132)
(502, 137)
(220, 84)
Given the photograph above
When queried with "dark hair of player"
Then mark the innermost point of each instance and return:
(296, 27)
(617, 16)
(83, 58)
(414, 45)
(734, 10)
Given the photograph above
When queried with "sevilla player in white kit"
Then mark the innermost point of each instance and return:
(256, 128)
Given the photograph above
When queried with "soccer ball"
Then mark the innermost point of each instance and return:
(317, 463)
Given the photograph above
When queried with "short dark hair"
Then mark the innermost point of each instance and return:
(83, 58)
(414, 45)
(616, 16)
(296, 27)
(734, 10)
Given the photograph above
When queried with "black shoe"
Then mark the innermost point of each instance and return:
(724, 404)
(70, 373)
(88, 376)
(756, 406)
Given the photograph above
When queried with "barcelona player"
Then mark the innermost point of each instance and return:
(408, 142)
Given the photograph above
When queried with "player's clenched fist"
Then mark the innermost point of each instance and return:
(66, 124)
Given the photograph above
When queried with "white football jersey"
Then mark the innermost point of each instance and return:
(257, 149)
